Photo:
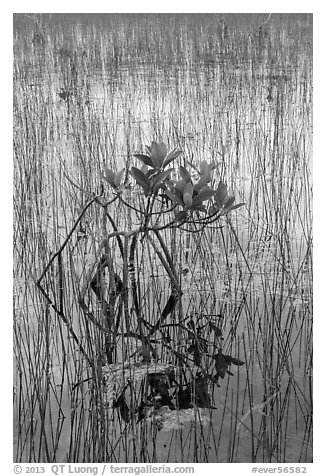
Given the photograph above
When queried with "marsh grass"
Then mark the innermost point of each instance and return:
(92, 94)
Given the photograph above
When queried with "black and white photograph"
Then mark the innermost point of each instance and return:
(162, 239)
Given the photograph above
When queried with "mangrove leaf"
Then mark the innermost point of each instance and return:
(145, 159)
(141, 179)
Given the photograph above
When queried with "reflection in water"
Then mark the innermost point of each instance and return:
(93, 95)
